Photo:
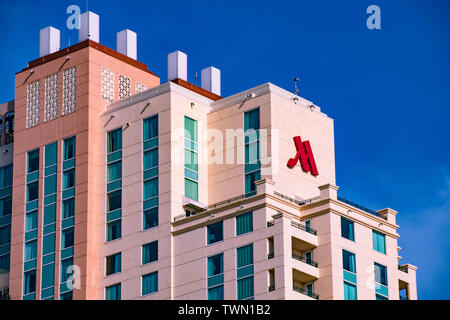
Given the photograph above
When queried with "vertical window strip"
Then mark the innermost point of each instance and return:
(113, 292)
(150, 283)
(150, 172)
(350, 292)
(49, 221)
(347, 229)
(191, 158)
(215, 277)
(150, 252)
(5, 210)
(114, 185)
(379, 241)
(244, 272)
(31, 214)
(348, 261)
(67, 218)
(381, 281)
(244, 223)
(114, 264)
(252, 151)
(214, 232)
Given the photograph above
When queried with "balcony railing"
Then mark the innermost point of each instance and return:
(306, 292)
(3, 271)
(353, 204)
(270, 223)
(303, 227)
(225, 202)
(403, 268)
(271, 288)
(298, 202)
(304, 259)
(213, 206)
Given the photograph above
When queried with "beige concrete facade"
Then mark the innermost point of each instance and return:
(286, 198)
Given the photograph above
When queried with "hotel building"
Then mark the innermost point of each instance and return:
(115, 186)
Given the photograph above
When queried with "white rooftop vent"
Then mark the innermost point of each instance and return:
(211, 80)
(127, 43)
(49, 40)
(89, 27)
(177, 66)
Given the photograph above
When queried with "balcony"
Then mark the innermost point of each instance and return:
(303, 227)
(306, 292)
(406, 275)
(304, 272)
(303, 241)
(304, 259)
(403, 268)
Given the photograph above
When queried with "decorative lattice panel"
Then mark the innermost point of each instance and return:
(51, 97)
(69, 95)
(33, 103)
(140, 87)
(107, 84)
(124, 87)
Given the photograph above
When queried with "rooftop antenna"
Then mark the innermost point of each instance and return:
(87, 10)
(295, 86)
(196, 78)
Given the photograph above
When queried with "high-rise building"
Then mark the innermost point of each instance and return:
(119, 187)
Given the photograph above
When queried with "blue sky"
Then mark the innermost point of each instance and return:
(388, 89)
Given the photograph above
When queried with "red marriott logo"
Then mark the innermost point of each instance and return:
(304, 153)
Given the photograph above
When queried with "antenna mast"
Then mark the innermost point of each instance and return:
(295, 86)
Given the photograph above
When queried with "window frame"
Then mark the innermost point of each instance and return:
(120, 291)
(350, 254)
(144, 215)
(108, 143)
(236, 224)
(351, 285)
(382, 267)
(142, 283)
(350, 223)
(208, 233)
(106, 264)
(28, 160)
(376, 236)
(142, 253)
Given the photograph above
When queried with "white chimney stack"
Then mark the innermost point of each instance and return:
(127, 43)
(89, 27)
(177, 66)
(211, 80)
(49, 39)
